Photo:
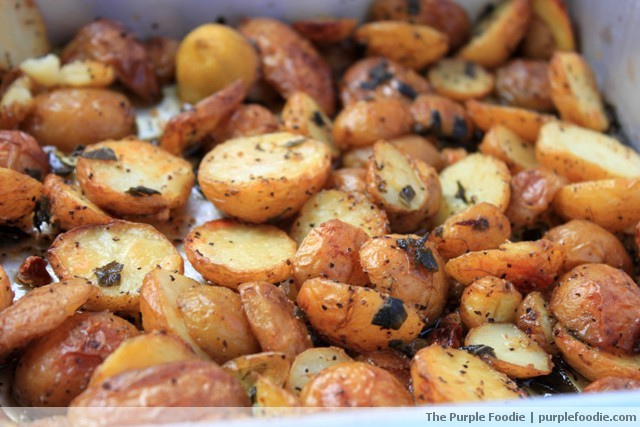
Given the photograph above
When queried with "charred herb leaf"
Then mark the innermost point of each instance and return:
(413, 7)
(407, 90)
(461, 193)
(470, 69)
(391, 315)
(317, 118)
(423, 256)
(377, 75)
(459, 128)
(479, 350)
(407, 194)
(104, 153)
(479, 224)
(141, 191)
(109, 274)
(294, 142)
(41, 214)
(61, 164)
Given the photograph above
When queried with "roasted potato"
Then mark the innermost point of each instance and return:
(272, 319)
(460, 80)
(409, 268)
(534, 318)
(33, 272)
(497, 35)
(289, 62)
(352, 208)
(40, 311)
(16, 99)
(269, 364)
(19, 194)
(453, 155)
(489, 300)
(358, 157)
(478, 227)
(325, 30)
(66, 118)
(6, 292)
(348, 180)
(448, 332)
(47, 72)
(601, 306)
(20, 151)
(229, 253)
(162, 52)
(355, 317)
(354, 384)
(331, 250)
(392, 361)
(525, 83)
(246, 120)
(538, 42)
(57, 367)
(23, 33)
(528, 265)
(448, 375)
(114, 258)
(265, 177)
(550, 29)
(441, 117)
(362, 123)
(612, 384)
(420, 148)
(312, 361)
(504, 144)
(412, 45)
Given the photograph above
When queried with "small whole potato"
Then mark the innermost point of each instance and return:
(348, 180)
(489, 300)
(66, 118)
(162, 54)
(21, 152)
(19, 194)
(441, 117)
(525, 83)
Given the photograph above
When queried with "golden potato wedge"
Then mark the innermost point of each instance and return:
(265, 177)
(354, 384)
(269, 364)
(448, 375)
(610, 203)
(352, 208)
(504, 144)
(311, 362)
(528, 265)
(40, 311)
(114, 258)
(362, 123)
(460, 80)
(331, 250)
(612, 384)
(6, 292)
(23, 33)
(348, 180)
(554, 13)
(539, 42)
(355, 317)
(357, 157)
(21, 152)
(420, 148)
(601, 305)
(534, 318)
(489, 300)
(142, 351)
(414, 46)
(57, 367)
(474, 179)
(289, 62)
(246, 120)
(68, 207)
(229, 253)
(19, 194)
(497, 35)
(409, 268)
(525, 84)
(272, 319)
(392, 361)
(441, 117)
(162, 52)
(512, 351)
(134, 177)
(325, 30)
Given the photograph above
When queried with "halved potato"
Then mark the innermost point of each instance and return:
(6, 292)
(352, 208)
(19, 194)
(310, 362)
(420, 148)
(524, 83)
(23, 33)
(396, 363)
(21, 152)
(246, 120)
(539, 42)
(325, 29)
(265, 177)
(504, 144)
(229, 253)
(441, 117)
(512, 351)
(269, 364)
(612, 384)
(532, 192)
(497, 35)
(357, 157)
(270, 395)
(448, 375)
(535, 319)
(348, 180)
(555, 14)
(460, 80)
(114, 258)
(474, 179)
(489, 300)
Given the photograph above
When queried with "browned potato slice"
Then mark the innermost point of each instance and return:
(348, 180)
(539, 41)
(19, 194)
(246, 120)
(289, 62)
(523, 83)
(613, 204)
(504, 144)
(414, 46)
(142, 351)
(6, 292)
(555, 14)
(612, 384)
(489, 300)
(407, 189)
(460, 80)
(379, 77)
(325, 29)
(67, 118)
(480, 226)
(526, 123)
(312, 361)
(474, 179)
(532, 192)
(40, 311)
(162, 51)
(23, 33)
(331, 250)
(363, 123)
(269, 364)
(357, 157)
(68, 207)
(513, 352)
(528, 265)
(352, 208)
(535, 319)
(57, 367)
(438, 377)
(134, 177)
(409, 268)
(601, 304)
(592, 362)
(441, 117)
(597, 156)
(270, 395)
(21, 152)
(357, 318)
(392, 361)
(266, 177)
(354, 384)
(114, 258)
(420, 148)
(497, 35)
(230, 253)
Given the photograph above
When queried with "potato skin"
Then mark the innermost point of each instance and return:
(161, 51)
(325, 30)
(20, 151)
(601, 304)
(57, 367)
(18, 196)
(526, 123)
(66, 118)
(612, 384)
(348, 180)
(535, 319)
(6, 292)
(420, 148)
(390, 360)
(525, 83)
(441, 117)
(354, 384)
(246, 120)
(488, 300)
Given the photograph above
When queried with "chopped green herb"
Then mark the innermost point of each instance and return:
(460, 128)
(109, 274)
(61, 164)
(41, 214)
(461, 193)
(317, 118)
(479, 350)
(141, 191)
(470, 69)
(294, 142)
(104, 153)
(377, 75)
(391, 315)
(425, 257)
(407, 194)
(407, 90)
